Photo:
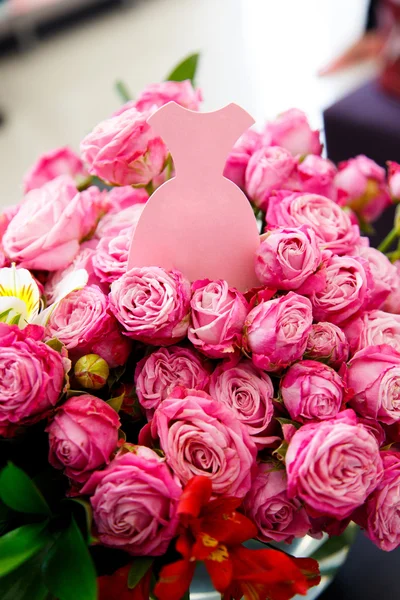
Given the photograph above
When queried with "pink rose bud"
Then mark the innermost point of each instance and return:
(61, 161)
(383, 273)
(238, 159)
(392, 302)
(341, 459)
(276, 332)
(91, 371)
(327, 343)
(134, 503)
(113, 223)
(217, 318)
(110, 261)
(312, 391)
(277, 518)
(152, 305)
(288, 258)
(394, 180)
(292, 131)
(157, 375)
(124, 150)
(201, 436)
(82, 436)
(248, 393)
(269, 169)
(156, 95)
(126, 196)
(315, 175)
(374, 380)
(373, 328)
(31, 377)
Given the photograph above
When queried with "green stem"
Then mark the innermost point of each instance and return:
(149, 188)
(389, 240)
(123, 91)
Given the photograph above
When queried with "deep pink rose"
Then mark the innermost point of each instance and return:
(288, 258)
(327, 343)
(82, 435)
(332, 466)
(394, 179)
(113, 223)
(111, 257)
(238, 159)
(384, 275)
(312, 391)
(292, 131)
(331, 224)
(157, 94)
(217, 318)
(268, 506)
(373, 328)
(152, 305)
(60, 161)
(124, 150)
(83, 322)
(374, 380)
(51, 222)
(123, 197)
(158, 374)
(361, 186)
(375, 428)
(201, 436)
(31, 376)
(276, 332)
(315, 175)
(268, 169)
(134, 503)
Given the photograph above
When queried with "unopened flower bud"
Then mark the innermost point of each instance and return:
(91, 371)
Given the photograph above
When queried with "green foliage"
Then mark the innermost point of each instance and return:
(116, 402)
(138, 570)
(25, 583)
(19, 492)
(20, 544)
(185, 69)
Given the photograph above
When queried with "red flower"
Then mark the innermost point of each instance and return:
(116, 586)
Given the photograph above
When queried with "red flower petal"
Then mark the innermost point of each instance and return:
(219, 567)
(174, 580)
(194, 497)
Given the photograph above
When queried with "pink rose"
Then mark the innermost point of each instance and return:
(158, 374)
(268, 506)
(394, 179)
(157, 94)
(201, 436)
(113, 223)
(315, 175)
(126, 196)
(51, 222)
(384, 275)
(276, 332)
(217, 318)
(372, 329)
(124, 150)
(312, 391)
(238, 159)
(361, 186)
(60, 161)
(327, 343)
(332, 226)
(332, 466)
(83, 323)
(152, 305)
(288, 258)
(392, 302)
(82, 435)
(268, 169)
(111, 257)
(31, 376)
(134, 503)
(247, 392)
(374, 380)
(292, 131)
(346, 290)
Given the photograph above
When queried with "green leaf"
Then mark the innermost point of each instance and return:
(116, 402)
(123, 91)
(138, 570)
(55, 344)
(20, 544)
(5, 517)
(19, 492)
(68, 569)
(26, 582)
(82, 512)
(185, 70)
(4, 315)
(283, 421)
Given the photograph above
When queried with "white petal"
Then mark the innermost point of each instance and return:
(20, 285)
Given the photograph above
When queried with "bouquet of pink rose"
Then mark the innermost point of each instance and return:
(149, 422)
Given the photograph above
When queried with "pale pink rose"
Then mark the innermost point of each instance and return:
(372, 329)
(361, 186)
(124, 150)
(236, 165)
(312, 391)
(289, 258)
(83, 433)
(6, 216)
(51, 222)
(374, 382)
(331, 224)
(111, 256)
(157, 375)
(134, 502)
(217, 318)
(384, 275)
(315, 175)
(125, 196)
(152, 305)
(276, 332)
(201, 436)
(268, 169)
(60, 161)
(113, 223)
(332, 466)
(83, 323)
(394, 179)
(31, 376)
(292, 131)
(248, 393)
(268, 506)
(392, 302)
(346, 290)
(156, 95)
(327, 343)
